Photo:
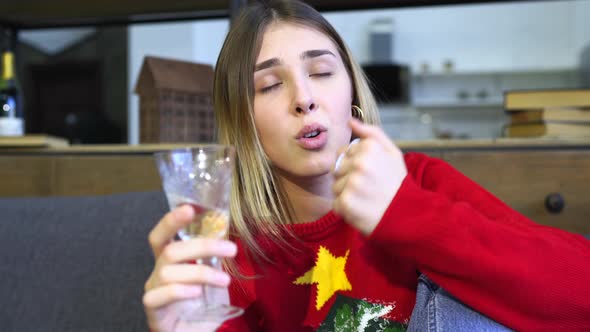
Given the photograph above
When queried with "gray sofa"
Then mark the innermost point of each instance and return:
(76, 264)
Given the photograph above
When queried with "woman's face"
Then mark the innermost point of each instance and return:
(302, 102)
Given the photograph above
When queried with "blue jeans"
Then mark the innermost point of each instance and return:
(437, 310)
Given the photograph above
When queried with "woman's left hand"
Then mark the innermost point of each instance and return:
(368, 177)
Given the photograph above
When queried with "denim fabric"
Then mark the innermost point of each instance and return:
(437, 310)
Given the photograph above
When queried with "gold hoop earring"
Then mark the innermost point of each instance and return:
(358, 113)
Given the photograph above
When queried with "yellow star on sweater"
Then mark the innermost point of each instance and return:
(328, 274)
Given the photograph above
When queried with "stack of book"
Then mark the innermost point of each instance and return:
(556, 113)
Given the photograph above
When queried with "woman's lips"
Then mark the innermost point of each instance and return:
(313, 143)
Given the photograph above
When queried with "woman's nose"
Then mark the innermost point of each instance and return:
(306, 107)
(304, 101)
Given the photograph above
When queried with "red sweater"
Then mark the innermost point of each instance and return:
(526, 276)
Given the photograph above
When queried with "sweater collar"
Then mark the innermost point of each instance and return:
(318, 229)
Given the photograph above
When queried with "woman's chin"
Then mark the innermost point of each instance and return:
(311, 170)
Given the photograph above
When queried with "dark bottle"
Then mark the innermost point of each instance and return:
(11, 120)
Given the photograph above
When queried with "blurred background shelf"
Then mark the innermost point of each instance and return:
(434, 105)
(31, 142)
(496, 72)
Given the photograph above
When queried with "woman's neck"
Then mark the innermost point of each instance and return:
(311, 198)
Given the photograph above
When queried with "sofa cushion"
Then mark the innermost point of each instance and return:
(76, 263)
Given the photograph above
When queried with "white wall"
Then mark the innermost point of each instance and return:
(208, 37)
(495, 36)
(189, 41)
(581, 23)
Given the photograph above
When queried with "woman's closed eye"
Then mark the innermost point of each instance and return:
(271, 87)
(322, 74)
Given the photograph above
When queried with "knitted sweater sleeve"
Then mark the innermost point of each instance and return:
(519, 273)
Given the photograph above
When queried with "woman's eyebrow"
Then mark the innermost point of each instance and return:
(267, 64)
(305, 55)
(315, 53)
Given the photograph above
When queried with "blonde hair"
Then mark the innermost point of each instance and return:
(259, 205)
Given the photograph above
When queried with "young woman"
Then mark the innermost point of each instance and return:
(378, 243)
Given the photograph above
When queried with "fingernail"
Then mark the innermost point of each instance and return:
(339, 160)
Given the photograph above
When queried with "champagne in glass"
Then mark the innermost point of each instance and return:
(201, 177)
(208, 222)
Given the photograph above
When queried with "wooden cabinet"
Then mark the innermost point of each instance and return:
(525, 174)
(522, 175)
(526, 179)
(77, 173)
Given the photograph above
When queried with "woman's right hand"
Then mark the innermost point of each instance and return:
(174, 282)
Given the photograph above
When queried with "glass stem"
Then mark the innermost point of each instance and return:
(215, 263)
